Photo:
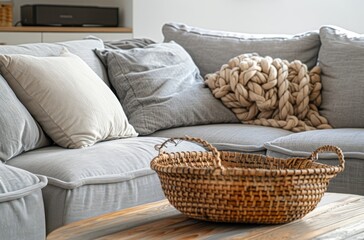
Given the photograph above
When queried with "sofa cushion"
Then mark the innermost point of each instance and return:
(105, 177)
(341, 60)
(211, 49)
(18, 130)
(71, 103)
(350, 140)
(81, 48)
(160, 87)
(229, 137)
(21, 204)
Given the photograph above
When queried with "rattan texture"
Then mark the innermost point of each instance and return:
(6, 14)
(224, 186)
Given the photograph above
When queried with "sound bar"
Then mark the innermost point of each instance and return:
(63, 15)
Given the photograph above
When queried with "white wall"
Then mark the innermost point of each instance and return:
(250, 16)
(125, 7)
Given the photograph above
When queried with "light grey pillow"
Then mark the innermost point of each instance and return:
(211, 49)
(18, 130)
(160, 87)
(341, 59)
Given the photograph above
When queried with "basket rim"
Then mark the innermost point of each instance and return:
(238, 171)
(213, 164)
(245, 172)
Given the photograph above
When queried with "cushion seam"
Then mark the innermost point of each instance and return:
(86, 181)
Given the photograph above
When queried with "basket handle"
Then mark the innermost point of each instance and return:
(215, 152)
(329, 148)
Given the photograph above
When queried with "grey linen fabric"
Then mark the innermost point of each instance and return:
(160, 87)
(82, 48)
(19, 132)
(128, 43)
(350, 140)
(341, 59)
(211, 49)
(123, 44)
(21, 204)
(105, 177)
(229, 137)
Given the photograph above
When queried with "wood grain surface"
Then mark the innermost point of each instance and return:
(67, 29)
(338, 216)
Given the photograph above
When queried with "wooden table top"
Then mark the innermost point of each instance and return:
(338, 216)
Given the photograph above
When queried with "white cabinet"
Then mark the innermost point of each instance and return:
(13, 38)
(65, 36)
(19, 35)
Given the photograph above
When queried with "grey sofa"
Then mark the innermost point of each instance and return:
(115, 174)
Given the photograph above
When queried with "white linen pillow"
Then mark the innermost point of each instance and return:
(71, 103)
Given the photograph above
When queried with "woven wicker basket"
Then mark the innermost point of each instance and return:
(6, 14)
(234, 187)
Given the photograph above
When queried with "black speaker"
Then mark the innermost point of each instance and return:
(62, 15)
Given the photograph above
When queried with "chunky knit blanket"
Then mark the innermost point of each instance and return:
(270, 92)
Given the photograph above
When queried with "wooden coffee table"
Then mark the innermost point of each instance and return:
(338, 216)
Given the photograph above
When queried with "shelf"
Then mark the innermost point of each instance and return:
(67, 29)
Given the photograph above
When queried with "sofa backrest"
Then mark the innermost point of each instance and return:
(341, 59)
(338, 52)
(211, 49)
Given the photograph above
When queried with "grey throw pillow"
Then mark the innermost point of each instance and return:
(18, 130)
(123, 44)
(211, 49)
(160, 87)
(341, 59)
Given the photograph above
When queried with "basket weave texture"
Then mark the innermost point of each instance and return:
(235, 187)
(6, 14)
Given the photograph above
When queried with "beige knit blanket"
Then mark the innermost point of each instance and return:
(270, 92)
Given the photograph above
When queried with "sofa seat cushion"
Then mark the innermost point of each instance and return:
(351, 142)
(102, 178)
(21, 204)
(229, 137)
